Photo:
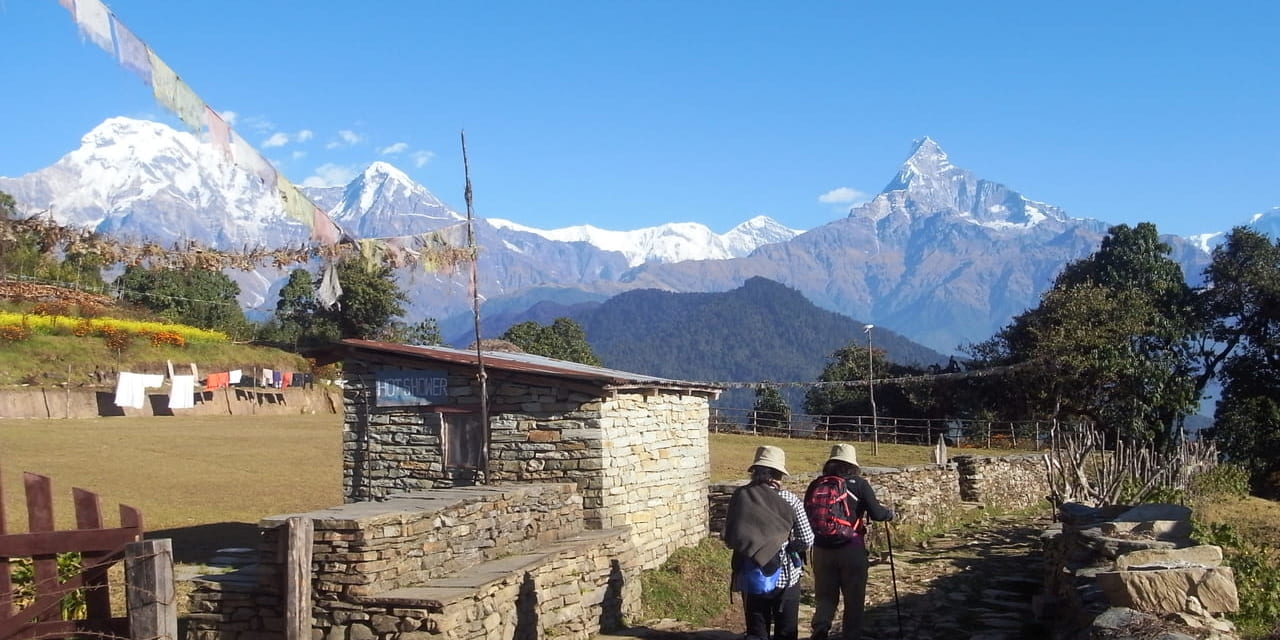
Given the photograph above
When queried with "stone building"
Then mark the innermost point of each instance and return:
(635, 445)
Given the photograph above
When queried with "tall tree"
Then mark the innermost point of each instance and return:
(425, 332)
(1114, 340)
(205, 299)
(563, 339)
(1242, 298)
(370, 298)
(770, 410)
(297, 320)
(850, 363)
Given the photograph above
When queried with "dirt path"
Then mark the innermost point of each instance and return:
(976, 583)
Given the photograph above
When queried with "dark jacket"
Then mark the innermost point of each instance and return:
(758, 523)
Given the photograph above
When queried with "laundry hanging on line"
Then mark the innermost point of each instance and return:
(131, 388)
(182, 392)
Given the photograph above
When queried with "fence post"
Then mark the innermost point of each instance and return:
(152, 600)
(297, 580)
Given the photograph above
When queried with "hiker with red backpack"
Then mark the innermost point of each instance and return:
(837, 504)
(768, 530)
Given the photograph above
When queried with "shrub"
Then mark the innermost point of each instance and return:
(1257, 573)
(116, 339)
(167, 337)
(23, 576)
(51, 309)
(15, 333)
(83, 328)
(1223, 481)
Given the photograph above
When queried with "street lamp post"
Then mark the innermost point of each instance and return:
(871, 393)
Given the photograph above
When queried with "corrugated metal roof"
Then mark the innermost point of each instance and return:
(526, 363)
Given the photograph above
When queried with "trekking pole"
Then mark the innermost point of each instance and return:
(893, 573)
(893, 570)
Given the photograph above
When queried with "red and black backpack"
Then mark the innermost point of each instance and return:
(832, 510)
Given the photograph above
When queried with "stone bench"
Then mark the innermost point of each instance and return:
(463, 563)
(572, 588)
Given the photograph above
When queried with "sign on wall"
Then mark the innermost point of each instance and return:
(411, 388)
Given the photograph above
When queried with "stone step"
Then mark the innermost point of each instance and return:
(439, 593)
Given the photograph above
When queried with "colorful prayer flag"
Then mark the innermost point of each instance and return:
(131, 52)
(94, 20)
(219, 132)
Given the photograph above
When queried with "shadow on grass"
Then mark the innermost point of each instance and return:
(198, 544)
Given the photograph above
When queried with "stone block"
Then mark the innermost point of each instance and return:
(1202, 555)
(544, 435)
(1167, 590)
(1155, 511)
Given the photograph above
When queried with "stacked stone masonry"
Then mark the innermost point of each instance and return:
(1010, 482)
(1124, 572)
(639, 459)
(476, 562)
(929, 495)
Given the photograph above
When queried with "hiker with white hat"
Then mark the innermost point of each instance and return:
(769, 533)
(837, 503)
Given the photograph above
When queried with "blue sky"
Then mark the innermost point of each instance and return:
(629, 114)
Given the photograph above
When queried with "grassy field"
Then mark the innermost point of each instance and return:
(203, 481)
(731, 454)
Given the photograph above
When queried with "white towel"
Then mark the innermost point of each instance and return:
(126, 390)
(234, 376)
(131, 388)
(267, 375)
(182, 391)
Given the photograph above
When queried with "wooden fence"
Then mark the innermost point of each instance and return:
(989, 434)
(35, 590)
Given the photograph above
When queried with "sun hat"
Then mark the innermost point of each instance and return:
(844, 453)
(772, 457)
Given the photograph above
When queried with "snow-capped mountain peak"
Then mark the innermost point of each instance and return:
(384, 172)
(672, 242)
(928, 184)
(384, 201)
(143, 179)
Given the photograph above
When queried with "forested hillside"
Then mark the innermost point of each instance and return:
(760, 331)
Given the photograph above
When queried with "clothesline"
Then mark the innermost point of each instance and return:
(131, 387)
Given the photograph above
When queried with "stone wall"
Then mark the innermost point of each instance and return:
(53, 402)
(638, 459)
(928, 494)
(1010, 482)
(656, 471)
(465, 563)
(1122, 572)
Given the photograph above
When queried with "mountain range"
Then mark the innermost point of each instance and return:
(939, 255)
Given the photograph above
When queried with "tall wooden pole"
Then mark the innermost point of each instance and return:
(871, 394)
(481, 376)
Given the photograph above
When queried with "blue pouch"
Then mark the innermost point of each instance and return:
(753, 580)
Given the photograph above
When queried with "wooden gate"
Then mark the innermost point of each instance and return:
(41, 615)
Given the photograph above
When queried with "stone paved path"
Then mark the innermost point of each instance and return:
(972, 583)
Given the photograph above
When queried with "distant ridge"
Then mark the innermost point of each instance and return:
(760, 331)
